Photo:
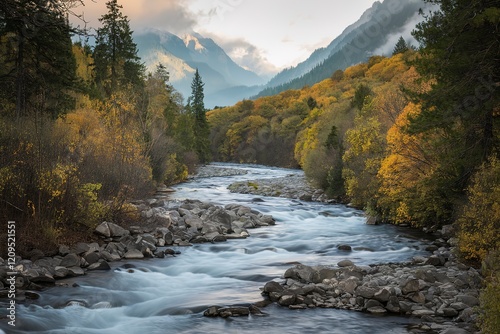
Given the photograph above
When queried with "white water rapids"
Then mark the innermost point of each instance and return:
(169, 295)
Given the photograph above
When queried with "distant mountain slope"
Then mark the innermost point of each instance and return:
(182, 56)
(375, 32)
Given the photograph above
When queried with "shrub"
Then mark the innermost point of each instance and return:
(479, 224)
(490, 296)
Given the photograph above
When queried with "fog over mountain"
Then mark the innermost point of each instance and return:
(375, 33)
(183, 55)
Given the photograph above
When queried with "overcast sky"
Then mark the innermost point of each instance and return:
(263, 35)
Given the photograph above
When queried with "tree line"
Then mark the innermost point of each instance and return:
(84, 128)
(412, 139)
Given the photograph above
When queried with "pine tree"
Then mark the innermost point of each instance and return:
(459, 112)
(115, 53)
(201, 129)
(38, 66)
(401, 46)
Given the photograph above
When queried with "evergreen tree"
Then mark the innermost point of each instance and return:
(459, 110)
(38, 66)
(401, 46)
(115, 53)
(201, 129)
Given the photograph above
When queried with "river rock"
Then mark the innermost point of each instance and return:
(377, 310)
(133, 254)
(107, 229)
(345, 263)
(410, 286)
(100, 265)
(70, 260)
(344, 248)
(75, 271)
(91, 257)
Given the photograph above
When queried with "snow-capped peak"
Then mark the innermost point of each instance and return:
(193, 42)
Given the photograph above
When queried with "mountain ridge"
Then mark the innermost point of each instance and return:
(182, 56)
(360, 40)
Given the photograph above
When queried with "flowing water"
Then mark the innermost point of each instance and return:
(169, 295)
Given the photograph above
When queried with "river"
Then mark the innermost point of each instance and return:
(169, 295)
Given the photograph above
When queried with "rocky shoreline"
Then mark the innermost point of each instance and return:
(438, 292)
(163, 224)
(291, 186)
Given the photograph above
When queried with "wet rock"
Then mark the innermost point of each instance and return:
(287, 300)
(377, 310)
(346, 248)
(100, 265)
(345, 263)
(212, 311)
(75, 271)
(273, 286)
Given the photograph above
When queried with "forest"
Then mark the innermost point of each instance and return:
(84, 128)
(411, 139)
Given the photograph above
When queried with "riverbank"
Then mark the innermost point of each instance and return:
(438, 290)
(164, 224)
(269, 247)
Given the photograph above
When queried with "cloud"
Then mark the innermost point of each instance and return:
(245, 54)
(404, 32)
(169, 15)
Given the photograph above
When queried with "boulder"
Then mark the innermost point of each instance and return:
(377, 310)
(70, 260)
(410, 286)
(133, 254)
(100, 265)
(287, 300)
(111, 230)
(303, 274)
(345, 263)
(273, 287)
(75, 271)
(382, 295)
(365, 292)
(346, 248)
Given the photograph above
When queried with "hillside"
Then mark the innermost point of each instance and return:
(375, 33)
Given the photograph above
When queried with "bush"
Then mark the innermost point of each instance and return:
(479, 224)
(490, 296)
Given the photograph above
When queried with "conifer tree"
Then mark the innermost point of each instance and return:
(201, 129)
(401, 46)
(460, 57)
(38, 66)
(116, 61)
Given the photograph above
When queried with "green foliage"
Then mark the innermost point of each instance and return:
(460, 58)
(116, 62)
(400, 47)
(38, 68)
(201, 128)
(65, 167)
(360, 96)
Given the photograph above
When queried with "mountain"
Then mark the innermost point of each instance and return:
(375, 33)
(181, 57)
